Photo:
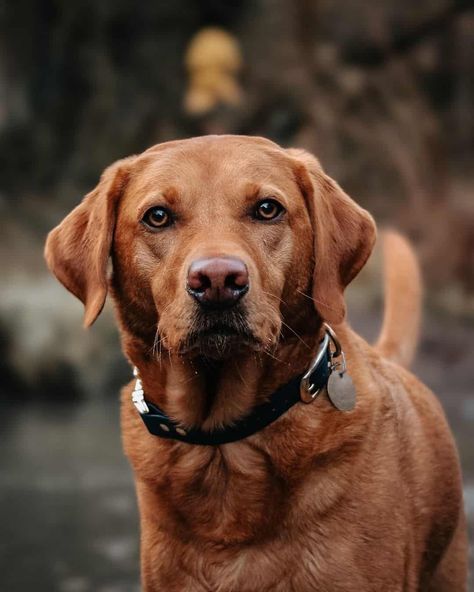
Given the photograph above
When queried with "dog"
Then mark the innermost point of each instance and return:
(230, 256)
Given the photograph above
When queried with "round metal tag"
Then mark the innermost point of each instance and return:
(341, 391)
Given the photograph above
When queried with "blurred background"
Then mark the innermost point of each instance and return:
(382, 92)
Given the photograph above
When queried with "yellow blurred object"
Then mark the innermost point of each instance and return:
(213, 61)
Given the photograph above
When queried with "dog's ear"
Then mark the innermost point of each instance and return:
(77, 251)
(344, 235)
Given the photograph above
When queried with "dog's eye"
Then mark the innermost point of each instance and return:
(157, 217)
(268, 209)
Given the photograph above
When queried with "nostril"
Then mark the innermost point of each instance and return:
(204, 282)
(197, 281)
(236, 281)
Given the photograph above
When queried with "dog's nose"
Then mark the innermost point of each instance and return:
(218, 281)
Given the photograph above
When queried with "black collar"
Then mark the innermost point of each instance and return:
(304, 387)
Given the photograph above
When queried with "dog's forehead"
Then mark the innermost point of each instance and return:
(213, 161)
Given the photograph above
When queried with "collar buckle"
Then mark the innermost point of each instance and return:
(138, 395)
(308, 390)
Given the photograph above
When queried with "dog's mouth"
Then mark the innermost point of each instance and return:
(219, 335)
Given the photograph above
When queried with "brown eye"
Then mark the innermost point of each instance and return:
(157, 218)
(268, 209)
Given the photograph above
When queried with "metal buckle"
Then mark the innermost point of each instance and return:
(138, 395)
(335, 341)
(308, 392)
(340, 365)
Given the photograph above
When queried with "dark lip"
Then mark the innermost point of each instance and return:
(219, 334)
(219, 341)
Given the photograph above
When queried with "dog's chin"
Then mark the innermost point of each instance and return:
(220, 343)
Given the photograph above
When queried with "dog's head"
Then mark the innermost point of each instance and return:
(218, 244)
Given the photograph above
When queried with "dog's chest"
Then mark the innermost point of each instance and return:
(305, 565)
(232, 526)
(223, 500)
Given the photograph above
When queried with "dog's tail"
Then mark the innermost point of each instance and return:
(403, 294)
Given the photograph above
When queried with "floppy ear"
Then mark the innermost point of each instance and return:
(344, 235)
(77, 251)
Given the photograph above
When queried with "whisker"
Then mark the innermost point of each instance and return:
(156, 342)
(274, 357)
(295, 333)
(240, 375)
(188, 380)
(283, 322)
(316, 300)
(274, 296)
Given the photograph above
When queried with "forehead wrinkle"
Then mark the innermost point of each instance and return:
(217, 168)
(165, 174)
(232, 171)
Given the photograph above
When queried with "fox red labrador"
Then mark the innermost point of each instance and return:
(272, 447)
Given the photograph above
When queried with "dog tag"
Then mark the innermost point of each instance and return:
(341, 391)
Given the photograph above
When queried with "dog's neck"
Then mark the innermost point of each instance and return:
(206, 393)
